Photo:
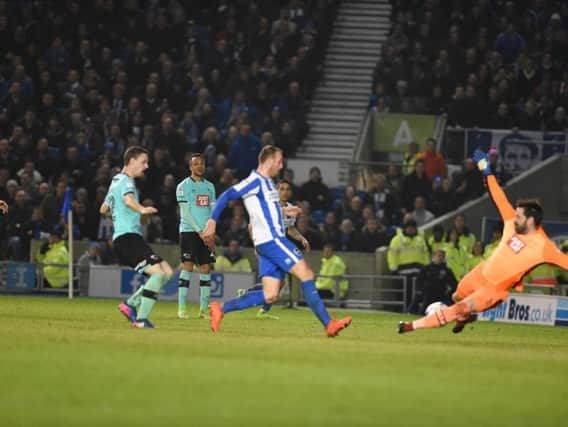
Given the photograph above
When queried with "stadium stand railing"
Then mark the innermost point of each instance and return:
(370, 291)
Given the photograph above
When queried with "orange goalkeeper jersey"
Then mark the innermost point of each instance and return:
(516, 254)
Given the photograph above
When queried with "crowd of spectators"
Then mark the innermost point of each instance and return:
(82, 81)
(491, 64)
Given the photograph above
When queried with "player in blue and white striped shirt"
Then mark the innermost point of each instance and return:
(276, 254)
(284, 188)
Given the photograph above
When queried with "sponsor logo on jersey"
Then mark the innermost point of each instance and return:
(516, 244)
(202, 200)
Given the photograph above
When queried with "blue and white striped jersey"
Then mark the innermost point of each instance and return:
(262, 204)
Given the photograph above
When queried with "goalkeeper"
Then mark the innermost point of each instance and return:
(523, 246)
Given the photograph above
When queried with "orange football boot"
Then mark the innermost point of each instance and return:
(216, 313)
(334, 326)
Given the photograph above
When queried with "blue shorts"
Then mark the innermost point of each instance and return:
(277, 257)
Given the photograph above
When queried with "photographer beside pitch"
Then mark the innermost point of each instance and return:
(523, 246)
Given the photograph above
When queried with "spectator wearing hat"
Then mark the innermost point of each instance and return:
(436, 240)
(408, 250)
(407, 254)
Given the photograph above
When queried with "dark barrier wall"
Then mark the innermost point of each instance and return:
(547, 182)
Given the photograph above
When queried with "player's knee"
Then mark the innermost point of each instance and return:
(304, 272)
(167, 270)
(271, 298)
(205, 269)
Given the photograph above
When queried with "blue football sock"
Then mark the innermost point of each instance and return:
(266, 307)
(246, 300)
(314, 301)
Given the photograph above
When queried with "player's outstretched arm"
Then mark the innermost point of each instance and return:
(553, 255)
(503, 205)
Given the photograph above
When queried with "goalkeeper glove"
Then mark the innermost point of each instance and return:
(482, 161)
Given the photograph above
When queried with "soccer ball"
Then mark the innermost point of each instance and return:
(435, 306)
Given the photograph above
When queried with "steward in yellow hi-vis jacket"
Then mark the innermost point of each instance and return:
(408, 251)
(332, 267)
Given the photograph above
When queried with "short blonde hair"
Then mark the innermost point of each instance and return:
(267, 152)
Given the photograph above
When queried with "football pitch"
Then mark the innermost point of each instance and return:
(79, 363)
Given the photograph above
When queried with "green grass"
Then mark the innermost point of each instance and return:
(78, 363)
